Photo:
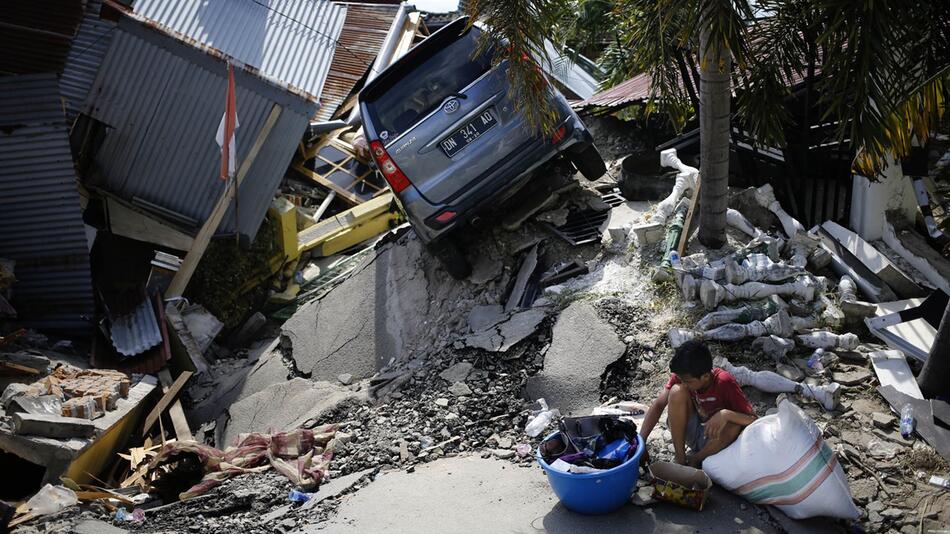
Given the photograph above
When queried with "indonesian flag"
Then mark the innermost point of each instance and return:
(229, 123)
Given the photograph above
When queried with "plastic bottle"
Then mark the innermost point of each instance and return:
(814, 362)
(541, 421)
(299, 496)
(907, 420)
(674, 260)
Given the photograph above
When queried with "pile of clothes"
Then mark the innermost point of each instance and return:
(590, 444)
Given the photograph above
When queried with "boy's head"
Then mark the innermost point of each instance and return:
(692, 362)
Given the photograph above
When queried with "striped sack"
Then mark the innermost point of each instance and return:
(782, 460)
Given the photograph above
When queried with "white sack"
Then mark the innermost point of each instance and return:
(781, 459)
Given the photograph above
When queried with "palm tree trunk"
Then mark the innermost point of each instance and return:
(714, 103)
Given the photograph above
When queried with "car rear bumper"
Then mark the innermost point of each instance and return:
(501, 180)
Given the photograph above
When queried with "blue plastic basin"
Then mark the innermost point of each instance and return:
(595, 493)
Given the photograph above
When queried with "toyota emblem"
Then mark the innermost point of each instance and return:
(450, 106)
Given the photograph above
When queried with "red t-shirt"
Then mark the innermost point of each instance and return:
(723, 393)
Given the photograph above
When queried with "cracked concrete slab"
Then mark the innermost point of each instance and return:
(582, 346)
(373, 317)
(269, 368)
(485, 316)
(283, 406)
(504, 335)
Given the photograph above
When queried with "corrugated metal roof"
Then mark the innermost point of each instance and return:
(290, 41)
(41, 224)
(35, 34)
(88, 48)
(162, 100)
(136, 332)
(362, 36)
(633, 90)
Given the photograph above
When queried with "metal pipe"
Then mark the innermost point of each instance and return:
(384, 57)
(323, 206)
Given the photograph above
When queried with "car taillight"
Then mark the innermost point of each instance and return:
(445, 216)
(558, 135)
(397, 180)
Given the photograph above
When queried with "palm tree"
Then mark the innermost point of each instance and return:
(881, 68)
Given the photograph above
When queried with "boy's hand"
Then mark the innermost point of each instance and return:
(714, 425)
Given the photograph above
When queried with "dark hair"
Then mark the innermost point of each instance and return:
(691, 358)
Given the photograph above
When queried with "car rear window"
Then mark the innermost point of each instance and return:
(411, 95)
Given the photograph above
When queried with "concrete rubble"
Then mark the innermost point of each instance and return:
(428, 382)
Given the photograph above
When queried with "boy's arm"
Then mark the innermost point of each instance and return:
(653, 414)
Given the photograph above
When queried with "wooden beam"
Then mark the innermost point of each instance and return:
(688, 224)
(175, 412)
(166, 400)
(190, 263)
(348, 196)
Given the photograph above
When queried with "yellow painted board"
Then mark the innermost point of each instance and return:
(355, 235)
(102, 453)
(284, 214)
(354, 216)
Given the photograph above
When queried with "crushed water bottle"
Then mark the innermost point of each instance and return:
(907, 421)
(541, 421)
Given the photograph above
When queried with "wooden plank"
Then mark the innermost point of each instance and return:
(190, 263)
(170, 395)
(175, 412)
(19, 368)
(128, 221)
(688, 225)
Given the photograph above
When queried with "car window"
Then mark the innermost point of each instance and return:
(423, 88)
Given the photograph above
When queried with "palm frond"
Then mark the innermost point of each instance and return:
(521, 27)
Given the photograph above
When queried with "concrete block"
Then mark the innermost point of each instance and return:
(647, 233)
(870, 199)
(52, 426)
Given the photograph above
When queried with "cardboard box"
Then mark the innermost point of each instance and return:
(680, 484)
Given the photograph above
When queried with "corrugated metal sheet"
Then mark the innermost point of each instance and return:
(633, 90)
(162, 100)
(41, 224)
(362, 36)
(291, 41)
(88, 48)
(136, 332)
(569, 73)
(35, 34)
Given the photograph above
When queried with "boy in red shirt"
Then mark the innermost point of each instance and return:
(707, 408)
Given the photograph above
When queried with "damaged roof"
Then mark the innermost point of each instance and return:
(361, 37)
(290, 42)
(636, 89)
(41, 225)
(160, 95)
(85, 56)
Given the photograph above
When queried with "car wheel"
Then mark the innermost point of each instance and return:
(451, 257)
(589, 162)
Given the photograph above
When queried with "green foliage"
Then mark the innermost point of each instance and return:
(521, 26)
(881, 67)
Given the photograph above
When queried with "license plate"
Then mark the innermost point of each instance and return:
(468, 133)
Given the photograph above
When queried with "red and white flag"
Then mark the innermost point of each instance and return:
(229, 123)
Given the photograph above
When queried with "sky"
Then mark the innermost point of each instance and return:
(436, 6)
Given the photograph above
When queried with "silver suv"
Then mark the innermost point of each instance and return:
(451, 144)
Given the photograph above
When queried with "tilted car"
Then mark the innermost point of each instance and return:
(451, 144)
